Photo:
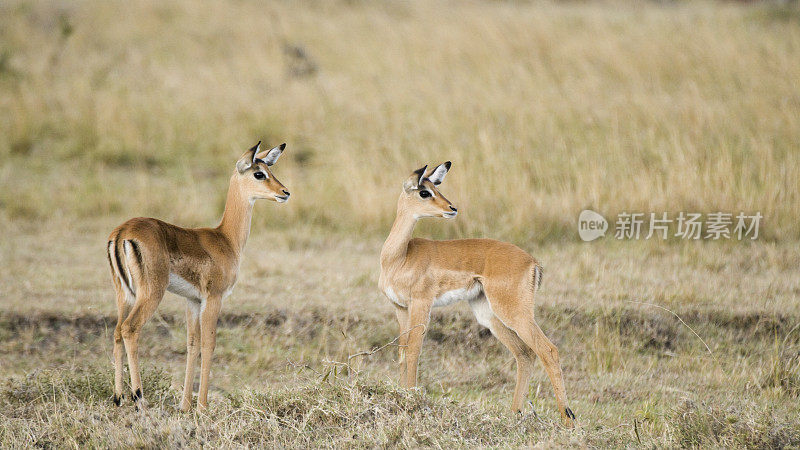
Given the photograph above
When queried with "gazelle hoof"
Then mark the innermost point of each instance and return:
(118, 399)
(139, 401)
(569, 418)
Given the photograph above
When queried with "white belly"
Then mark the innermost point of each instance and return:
(178, 285)
(457, 295)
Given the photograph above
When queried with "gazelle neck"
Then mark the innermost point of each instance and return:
(235, 224)
(396, 245)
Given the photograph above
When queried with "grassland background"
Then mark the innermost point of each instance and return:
(544, 109)
(110, 110)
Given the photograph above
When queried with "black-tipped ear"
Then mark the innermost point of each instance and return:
(271, 156)
(413, 181)
(255, 150)
(421, 174)
(437, 176)
(248, 158)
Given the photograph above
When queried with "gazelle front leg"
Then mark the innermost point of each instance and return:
(208, 341)
(192, 351)
(419, 316)
(402, 339)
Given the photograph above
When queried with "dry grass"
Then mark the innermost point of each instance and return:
(274, 385)
(635, 374)
(352, 414)
(545, 109)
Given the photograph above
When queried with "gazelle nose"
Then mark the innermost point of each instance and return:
(453, 208)
(286, 192)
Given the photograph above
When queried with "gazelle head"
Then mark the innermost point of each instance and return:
(256, 178)
(421, 195)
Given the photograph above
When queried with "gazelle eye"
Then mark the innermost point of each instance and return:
(424, 194)
(259, 175)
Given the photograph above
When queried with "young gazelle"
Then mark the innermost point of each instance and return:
(148, 257)
(498, 280)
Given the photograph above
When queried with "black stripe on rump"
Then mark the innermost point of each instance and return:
(137, 253)
(119, 264)
(108, 254)
(538, 273)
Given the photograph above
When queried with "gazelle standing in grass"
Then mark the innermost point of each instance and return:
(498, 280)
(148, 257)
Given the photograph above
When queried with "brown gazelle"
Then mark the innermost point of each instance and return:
(148, 257)
(498, 280)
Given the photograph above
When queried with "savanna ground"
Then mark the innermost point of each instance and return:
(110, 110)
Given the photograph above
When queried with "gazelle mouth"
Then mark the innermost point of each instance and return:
(281, 198)
(449, 215)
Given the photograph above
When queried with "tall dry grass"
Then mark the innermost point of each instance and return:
(119, 109)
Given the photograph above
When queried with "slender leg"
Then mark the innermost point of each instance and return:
(119, 350)
(522, 354)
(131, 329)
(517, 313)
(192, 351)
(208, 340)
(419, 317)
(402, 341)
(548, 354)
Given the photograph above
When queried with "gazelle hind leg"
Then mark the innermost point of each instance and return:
(533, 336)
(522, 353)
(517, 314)
(149, 276)
(148, 297)
(123, 307)
(523, 356)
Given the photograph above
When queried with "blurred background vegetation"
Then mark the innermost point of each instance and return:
(118, 109)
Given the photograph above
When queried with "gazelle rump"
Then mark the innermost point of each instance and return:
(497, 279)
(148, 257)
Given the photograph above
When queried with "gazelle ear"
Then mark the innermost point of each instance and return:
(271, 156)
(415, 179)
(420, 174)
(437, 176)
(247, 160)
